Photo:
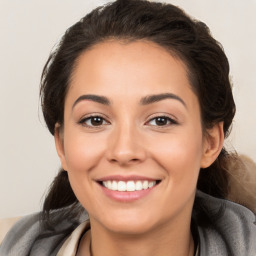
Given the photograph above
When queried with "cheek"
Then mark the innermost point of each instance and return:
(82, 151)
(180, 155)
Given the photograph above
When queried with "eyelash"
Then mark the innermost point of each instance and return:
(167, 121)
(90, 118)
(170, 121)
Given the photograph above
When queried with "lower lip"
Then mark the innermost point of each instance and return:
(128, 196)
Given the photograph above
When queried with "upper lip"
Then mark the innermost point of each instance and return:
(126, 178)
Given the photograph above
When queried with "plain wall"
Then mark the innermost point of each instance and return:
(30, 29)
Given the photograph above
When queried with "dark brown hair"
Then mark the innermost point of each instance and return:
(167, 26)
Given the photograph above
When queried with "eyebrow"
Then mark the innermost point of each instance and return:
(144, 101)
(96, 98)
(158, 97)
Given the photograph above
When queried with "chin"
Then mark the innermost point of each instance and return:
(129, 223)
(131, 228)
(121, 221)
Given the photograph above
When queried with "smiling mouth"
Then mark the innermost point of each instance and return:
(129, 186)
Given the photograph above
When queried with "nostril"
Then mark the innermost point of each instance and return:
(125, 154)
(124, 159)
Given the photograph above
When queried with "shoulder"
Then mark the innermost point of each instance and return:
(21, 236)
(30, 237)
(230, 230)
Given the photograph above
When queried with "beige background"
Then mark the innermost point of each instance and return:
(30, 28)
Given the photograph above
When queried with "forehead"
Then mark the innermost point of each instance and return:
(129, 69)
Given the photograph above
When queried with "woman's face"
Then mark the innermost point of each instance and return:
(132, 142)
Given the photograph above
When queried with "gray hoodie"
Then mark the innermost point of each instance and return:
(229, 230)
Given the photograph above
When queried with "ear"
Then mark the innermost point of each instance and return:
(213, 143)
(59, 143)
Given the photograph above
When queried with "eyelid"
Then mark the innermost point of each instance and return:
(88, 116)
(173, 120)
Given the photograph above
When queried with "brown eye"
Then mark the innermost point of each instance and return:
(161, 121)
(93, 121)
(96, 121)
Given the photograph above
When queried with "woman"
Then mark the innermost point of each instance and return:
(138, 98)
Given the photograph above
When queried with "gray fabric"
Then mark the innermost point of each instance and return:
(29, 237)
(232, 234)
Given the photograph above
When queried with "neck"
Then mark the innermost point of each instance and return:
(169, 240)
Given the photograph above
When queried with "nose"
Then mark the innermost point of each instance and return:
(126, 146)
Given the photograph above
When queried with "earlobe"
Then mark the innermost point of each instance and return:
(59, 144)
(213, 144)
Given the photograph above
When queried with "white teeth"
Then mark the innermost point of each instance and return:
(138, 185)
(109, 184)
(121, 186)
(114, 185)
(145, 184)
(150, 184)
(129, 185)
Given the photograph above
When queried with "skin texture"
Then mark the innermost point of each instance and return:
(129, 141)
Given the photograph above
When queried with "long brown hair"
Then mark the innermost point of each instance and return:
(168, 26)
